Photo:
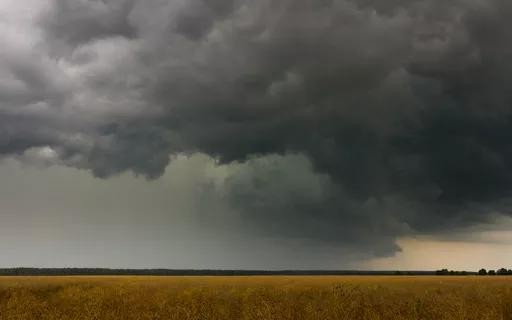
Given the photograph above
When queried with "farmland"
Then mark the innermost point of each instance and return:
(257, 297)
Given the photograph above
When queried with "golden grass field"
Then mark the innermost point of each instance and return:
(272, 297)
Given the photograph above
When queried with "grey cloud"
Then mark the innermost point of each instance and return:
(82, 21)
(401, 107)
(194, 19)
(282, 197)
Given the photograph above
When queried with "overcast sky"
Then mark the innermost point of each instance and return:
(256, 134)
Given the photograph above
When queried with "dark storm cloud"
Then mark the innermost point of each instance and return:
(401, 107)
(85, 20)
(283, 196)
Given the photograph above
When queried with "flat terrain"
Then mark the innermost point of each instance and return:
(273, 297)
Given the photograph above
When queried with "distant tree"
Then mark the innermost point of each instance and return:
(442, 272)
(502, 272)
(398, 273)
(482, 272)
(491, 272)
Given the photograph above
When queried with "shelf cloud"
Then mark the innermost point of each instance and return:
(347, 122)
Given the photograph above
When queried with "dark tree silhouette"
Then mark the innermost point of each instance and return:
(442, 272)
(502, 271)
(482, 272)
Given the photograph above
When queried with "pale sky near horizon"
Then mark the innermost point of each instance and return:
(270, 134)
(63, 217)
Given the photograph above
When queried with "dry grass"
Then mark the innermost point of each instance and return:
(259, 298)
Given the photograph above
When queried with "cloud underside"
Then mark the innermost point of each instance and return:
(346, 122)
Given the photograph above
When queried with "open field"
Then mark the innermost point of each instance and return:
(274, 297)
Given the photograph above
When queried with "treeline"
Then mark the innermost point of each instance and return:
(211, 272)
(446, 272)
(186, 272)
(481, 272)
(500, 272)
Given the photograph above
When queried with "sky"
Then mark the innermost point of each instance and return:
(238, 134)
